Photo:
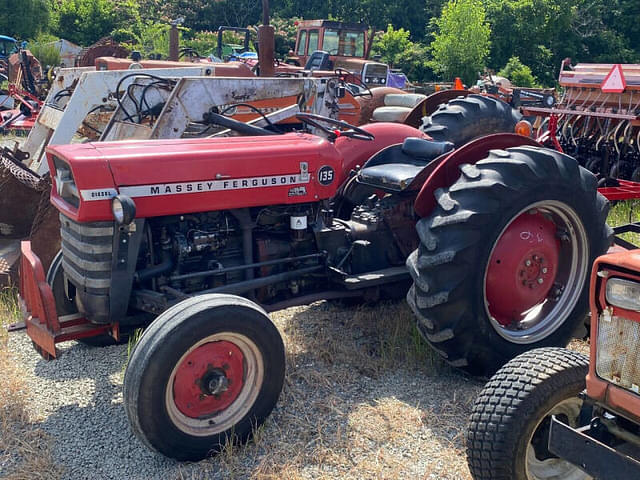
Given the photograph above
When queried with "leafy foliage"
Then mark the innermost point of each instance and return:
(45, 51)
(23, 19)
(461, 42)
(519, 74)
(396, 49)
(84, 21)
(539, 32)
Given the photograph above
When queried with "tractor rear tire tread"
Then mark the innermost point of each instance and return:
(455, 240)
(463, 119)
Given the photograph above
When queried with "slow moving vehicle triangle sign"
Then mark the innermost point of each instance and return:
(614, 82)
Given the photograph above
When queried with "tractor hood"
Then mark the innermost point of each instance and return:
(167, 177)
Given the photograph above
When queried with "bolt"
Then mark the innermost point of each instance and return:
(540, 281)
(545, 270)
(230, 353)
(528, 263)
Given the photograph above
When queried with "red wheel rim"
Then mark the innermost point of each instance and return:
(522, 268)
(209, 379)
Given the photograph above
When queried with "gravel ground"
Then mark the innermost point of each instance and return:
(357, 403)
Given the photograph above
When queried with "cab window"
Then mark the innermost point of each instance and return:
(302, 42)
(331, 42)
(354, 44)
(345, 43)
(313, 41)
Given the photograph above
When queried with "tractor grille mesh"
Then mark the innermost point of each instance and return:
(618, 352)
(86, 253)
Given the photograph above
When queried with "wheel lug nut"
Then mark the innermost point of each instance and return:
(545, 270)
(540, 281)
(528, 263)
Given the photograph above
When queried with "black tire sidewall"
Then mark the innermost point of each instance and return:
(578, 201)
(167, 349)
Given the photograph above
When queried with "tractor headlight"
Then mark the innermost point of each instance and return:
(124, 209)
(623, 294)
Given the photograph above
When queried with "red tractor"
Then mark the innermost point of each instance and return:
(492, 237)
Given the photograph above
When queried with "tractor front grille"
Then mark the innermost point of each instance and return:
(87, 254)
(618, 352)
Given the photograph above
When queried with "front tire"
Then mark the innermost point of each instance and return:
(508, 433)
(505, 256)
(207, 372)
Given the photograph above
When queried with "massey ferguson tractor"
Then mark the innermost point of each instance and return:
(492, 237)
(534, 420)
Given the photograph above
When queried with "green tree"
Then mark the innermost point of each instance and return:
(462, 40)
(391, 44)
(519, 74)
(23, 18)
(396, 49)
(84, 21)
(539, 32)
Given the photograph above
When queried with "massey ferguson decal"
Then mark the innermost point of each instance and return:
(161, 189)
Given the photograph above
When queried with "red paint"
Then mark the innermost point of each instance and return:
(614, 82)
(111, 165)
(357, 152)
(624, 191)
(526, 253)
(205, 362)
(38, 307)
(448, 170)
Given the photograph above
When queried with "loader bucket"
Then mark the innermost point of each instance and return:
(25, 212)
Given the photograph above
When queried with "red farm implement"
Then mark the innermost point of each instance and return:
(597, 121)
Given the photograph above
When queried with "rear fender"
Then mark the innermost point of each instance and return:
(447, 171)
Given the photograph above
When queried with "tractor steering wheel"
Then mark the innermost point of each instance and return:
(351, 130)
(348, 77)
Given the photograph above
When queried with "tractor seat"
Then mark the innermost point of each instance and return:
(318, 60)
(394, 168)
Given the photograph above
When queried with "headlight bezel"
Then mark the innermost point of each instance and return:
(628, 295)
(123, 209)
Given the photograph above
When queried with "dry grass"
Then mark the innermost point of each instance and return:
(25, 450)
(348, 408)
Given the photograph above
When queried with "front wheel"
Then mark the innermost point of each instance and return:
(207, 372)
(508, 435)
(504, 258)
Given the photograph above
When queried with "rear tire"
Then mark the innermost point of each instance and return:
(207, 372)
(460, 310)
(507, 435)
(463, 119)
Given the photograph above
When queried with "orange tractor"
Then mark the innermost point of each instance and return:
(535, 420)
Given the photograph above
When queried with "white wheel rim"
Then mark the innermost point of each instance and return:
(555, 468)
(234, 413)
